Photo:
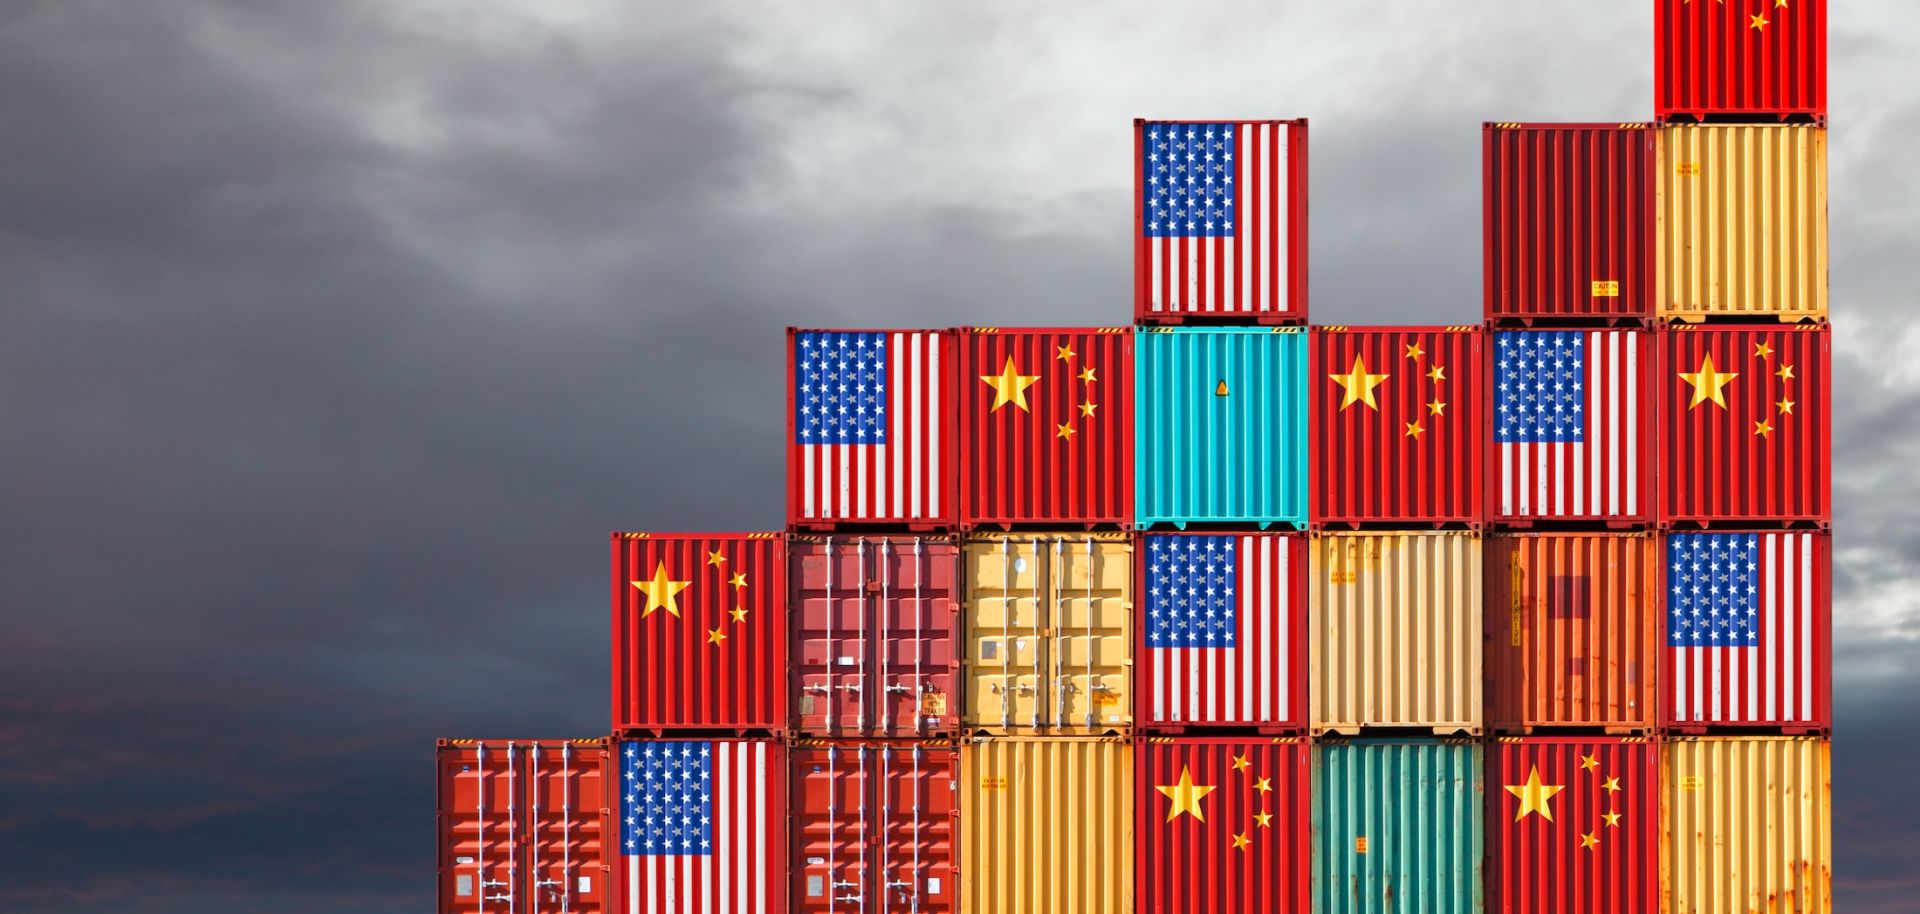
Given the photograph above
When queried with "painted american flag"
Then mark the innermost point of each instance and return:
(1567, 407)
(1222, 631)
(1743, 641)
(1216, 203)
(697, 827)
(870, 418)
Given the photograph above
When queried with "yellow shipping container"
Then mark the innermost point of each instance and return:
(1749, 825)
(1741, 222)
(1048, 626)
(1046, 825)
(1395, 632)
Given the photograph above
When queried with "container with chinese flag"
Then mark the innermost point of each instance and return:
(1221, 824)
(1740, 60)
(1573, 825)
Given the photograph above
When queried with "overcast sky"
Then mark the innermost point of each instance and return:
(335, 336)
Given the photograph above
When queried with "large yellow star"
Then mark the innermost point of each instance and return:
(1010, 386)
(1358, 384)
(1707, 383)
(1185, 795)
(1534, 796)
(660, 591)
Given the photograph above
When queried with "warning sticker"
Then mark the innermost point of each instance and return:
(1692, 782)
(996, 783)
(1360, 844)
(1687, 169)
(933, 703)
(1606, 288)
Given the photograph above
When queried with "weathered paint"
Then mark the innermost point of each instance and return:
(1221, 824)
(523, 826)
(874, 827)
(1573, 825)
(1397, 826)
(1047, 825)
(1749, 825)
(1742, 223)
(1048, 625)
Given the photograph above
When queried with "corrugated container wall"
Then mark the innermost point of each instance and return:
(1744, 435)
(874, 827)
(872, 429)
(1220, 221)
(1749, 642)
(1749, 825)
(1221, 825)
(1397, 425)
(1395, 631)
(1048, 826)
(1397, 826)
(1046, 427)
(1221, 428)
(699, 632)
(876, 635)
(1047, 620)
(1730, 61)
(705, 832)
(1571, 414)
(1568, 222)
(1572, 629)
(1573, 826)
(1742, 223)
(523, 826)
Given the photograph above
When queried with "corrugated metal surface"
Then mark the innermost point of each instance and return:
(1048, 627)
(1221, 428)
(523, 826)
(1395, 629)
(705, 829)
(1568, 221)
(1232, 247)
(1048, 826)
(1749, 825)
(1752, 61)
(699, 631)
(1744, 434)
(1046, 426)
(1571, 415)
(1742, 223)
(874, 827)
(1221, 825)
(876, 635)
(1234, 655)
(1572, 629)
(1573, 826)
(1397, 424)
(1397, 826)
(1748, 640)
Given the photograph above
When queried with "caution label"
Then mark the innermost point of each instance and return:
(1687, 169)
(1360, 844)
(934, 703)
(998, 783)
(1692, 782)
(1606, 288)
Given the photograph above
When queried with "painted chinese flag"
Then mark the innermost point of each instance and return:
(1396, 413)
(1739, 57)
(1572, 826)
(1743, 424)
(1221, 825)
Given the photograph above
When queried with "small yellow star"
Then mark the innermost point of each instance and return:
(716, 636)
(1437, 408)
(1414, 429)
(1589, 841)
(1240, 842)
(1779, 3)
(738, 580)
(1760, 22)
(1010, 386)
(1707, 383)
(1065, 430)
(1762, 351)
(1263, 818)
(1762, 428)
(715, 558)
(1588, 762)
(1264, 785)
(1611, 785)
(1612, 819)
(1186, 795)
(1414, 351)
(1439, 373)
(1088, 375)
(739, 614)
(660, 591)
(1786, 406)
(1087, 408)
(1241, 762)
(1785, 372)
(1063, 353)
(1358, 384)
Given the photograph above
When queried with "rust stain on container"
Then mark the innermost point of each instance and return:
(1749, 825)
(1742, 223)
(1048, 825)
(1047, 621)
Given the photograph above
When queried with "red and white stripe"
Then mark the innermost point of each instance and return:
(1252, 682)
(1599, 476)
(736, 877)
(1248, 271)
(1777, 681)
(893, 481)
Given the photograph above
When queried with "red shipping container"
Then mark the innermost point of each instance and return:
(703, 827)
(1220, 221)
(1046, 427)
(1571, 415)
(1221, 824)
(1396, 425)
(1744, 435)
(876, 635)
(1752, 60)
(699, 633)
(875, 827)
(1568, 222)
(1572, 629)
(1573, 826)
(872, 422)
(523, 826)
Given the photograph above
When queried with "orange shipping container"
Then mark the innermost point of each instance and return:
(1048, 825)
(1749, 825)
(873, 826)
(523, 826)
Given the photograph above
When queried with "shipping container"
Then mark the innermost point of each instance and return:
(1568, 223)
(876, 631)
(874, 826)
(1573, 826)
(1221, 824)
(1749, 825)
(872, 429)
(1571, 416)
(703, 827)
(1397, 826)
(1741, 223)
(1221, 433)
(1748, 632)
(1572, 629)
(1744, 436)
(699, 632)
(1224, 639)
(1048, 825)
(1395, 631)
(1047, 427)
(1397, 432)
(1048, 626)
(523, 826)
(1730, 61)
(1220, 221)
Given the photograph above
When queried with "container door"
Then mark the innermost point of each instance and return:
(1092, 602)
(565, 849)
(1006, 655)
(832, 852)
(479, 826)
(914, 831)
(915, 653)
(831, 614)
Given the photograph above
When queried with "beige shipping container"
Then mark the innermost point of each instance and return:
(1749, 825)
(1046, 825)
(1047, 620)
(1741, 222)
(1395, 632)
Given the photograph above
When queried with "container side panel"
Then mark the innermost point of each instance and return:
(1742, 223)
(1749, 825)
(1573, 826)
(875, 639)
(1232, 652)
(1569, 225)
(1049, 826)
(1221, 825)
(705, 830)
(1397, 425)
(872, 422)
(1571, 414)
(1397, 827)
(1746, 624)
(1572, 629)
(1728, 60)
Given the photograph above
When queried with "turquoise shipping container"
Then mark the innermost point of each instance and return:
(1220, 431)
(1398, 825)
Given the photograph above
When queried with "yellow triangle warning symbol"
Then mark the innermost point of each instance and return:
(1221, 390)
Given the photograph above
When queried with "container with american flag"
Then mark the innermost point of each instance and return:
(1570, 410)
(1224, 640)
(871, 428)
(702, 827)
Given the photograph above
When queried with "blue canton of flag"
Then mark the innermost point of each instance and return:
(1539, 391)
(667, 802)
(1190, 582)
(840, 388)
(1189, 190)
(1714, 592)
